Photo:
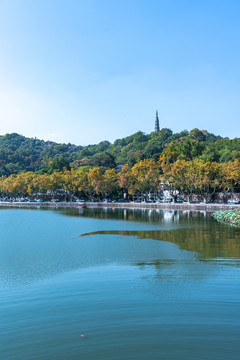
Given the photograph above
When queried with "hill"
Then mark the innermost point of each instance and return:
(20, 154)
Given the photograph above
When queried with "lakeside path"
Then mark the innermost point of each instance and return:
(161, 206)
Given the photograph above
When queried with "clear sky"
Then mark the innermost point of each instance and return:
(90, 70)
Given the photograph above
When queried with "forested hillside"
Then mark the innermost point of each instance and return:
(20, 154)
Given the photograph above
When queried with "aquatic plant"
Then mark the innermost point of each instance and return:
(228, 216)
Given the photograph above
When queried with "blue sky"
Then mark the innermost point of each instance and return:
(86, 71)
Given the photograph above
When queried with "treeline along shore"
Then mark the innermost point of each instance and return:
(194, 166)
(192, 180)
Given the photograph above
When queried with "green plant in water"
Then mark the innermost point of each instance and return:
(228, 216)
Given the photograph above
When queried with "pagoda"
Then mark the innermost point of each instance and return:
(157, 128)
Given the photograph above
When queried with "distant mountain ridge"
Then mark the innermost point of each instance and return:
(20, 154)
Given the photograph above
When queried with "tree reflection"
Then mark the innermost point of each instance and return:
(210, 242)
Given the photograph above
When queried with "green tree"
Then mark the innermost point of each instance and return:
(58, 164)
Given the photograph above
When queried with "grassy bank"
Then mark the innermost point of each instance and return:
(228, 216)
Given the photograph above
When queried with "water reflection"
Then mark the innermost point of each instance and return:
(45, 242)
(150, 216)
(209, 242)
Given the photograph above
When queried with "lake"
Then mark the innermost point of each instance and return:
(118, 284)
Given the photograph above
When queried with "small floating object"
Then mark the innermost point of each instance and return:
(83, 206)
(82, 335)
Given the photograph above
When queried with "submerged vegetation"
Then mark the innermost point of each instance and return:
(228, 216)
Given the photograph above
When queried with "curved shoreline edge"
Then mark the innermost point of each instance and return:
(231, 217)
(161, 206)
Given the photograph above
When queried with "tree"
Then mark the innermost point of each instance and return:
(55, 182)
(79, 163)
(197, 134)
(110, 182)
(58, 164)
(208, 178)
(230, 178)
(180, 177)
(75, 182)
(126, 180)
(104, 159)
(95, 182)
(146, 177)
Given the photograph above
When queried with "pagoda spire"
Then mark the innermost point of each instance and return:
(157, 128)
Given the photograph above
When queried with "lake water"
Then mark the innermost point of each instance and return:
(118, 284)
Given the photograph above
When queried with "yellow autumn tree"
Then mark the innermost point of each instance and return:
(146, 177)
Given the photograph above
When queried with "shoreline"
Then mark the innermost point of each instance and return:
(161, 206)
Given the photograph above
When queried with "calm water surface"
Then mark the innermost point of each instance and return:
(138, 284)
